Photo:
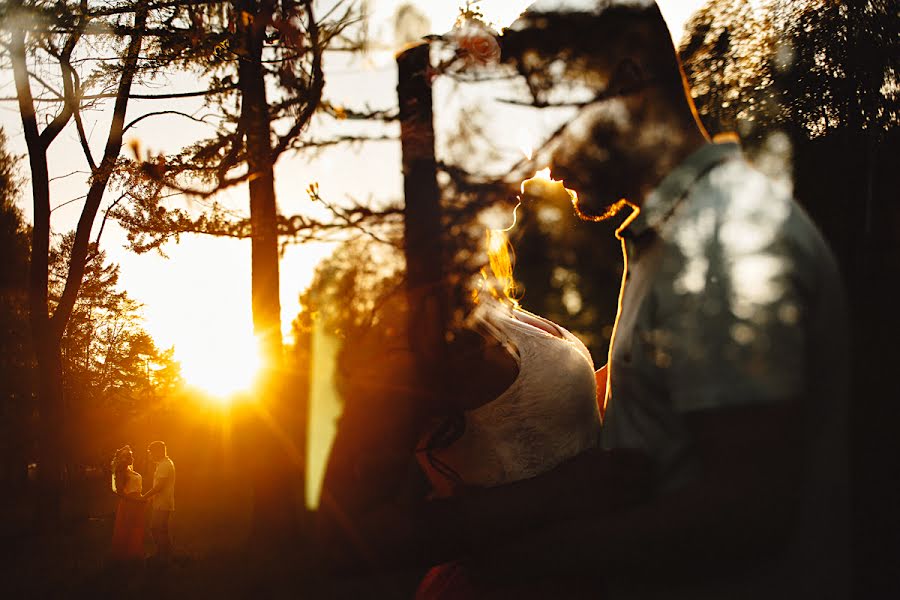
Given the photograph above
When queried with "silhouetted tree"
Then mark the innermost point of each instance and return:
(112, 368)
(17, 382)
(41, 34)
(809, 67)
(731, 53)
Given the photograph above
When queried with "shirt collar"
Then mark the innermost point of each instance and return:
(660, 203)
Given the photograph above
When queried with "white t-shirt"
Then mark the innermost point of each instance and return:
(165, 499)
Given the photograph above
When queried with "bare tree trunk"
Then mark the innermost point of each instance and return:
(273, 474)
(422, 220)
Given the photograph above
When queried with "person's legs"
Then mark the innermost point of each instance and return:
(159, 528)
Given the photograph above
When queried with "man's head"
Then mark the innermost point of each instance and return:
(157, 450)
(617, 55)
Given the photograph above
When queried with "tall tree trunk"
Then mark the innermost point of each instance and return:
(47, 331)
(422, 221)
(46, 345)
(48, 509)
(273, 474)
(263, 212)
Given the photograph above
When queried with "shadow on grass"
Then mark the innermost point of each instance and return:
(61, 567)
(72, 563)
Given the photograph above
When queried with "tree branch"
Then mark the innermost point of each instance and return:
(314, 92)
(79, 126)
(69, 99)
(300, 146)
(342, 113)
(172, 96)
(106, 216)
(81, 243)
(162, 112)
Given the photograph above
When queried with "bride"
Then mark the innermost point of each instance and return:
(429, 476)
(128, 531)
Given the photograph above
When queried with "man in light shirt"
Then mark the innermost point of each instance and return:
(162, 498)
(728, 364)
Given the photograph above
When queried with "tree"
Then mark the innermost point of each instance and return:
(38, 34)
(810, 67)
(112, 368)
(822, 78)
(731, 57)
(263, 59)
(17, 382)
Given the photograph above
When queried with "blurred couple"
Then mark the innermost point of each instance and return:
(128, 531)
(705, 459)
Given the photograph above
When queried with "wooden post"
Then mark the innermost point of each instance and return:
(422, 222)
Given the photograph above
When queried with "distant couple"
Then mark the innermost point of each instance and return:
(128, 531)
(715, 465)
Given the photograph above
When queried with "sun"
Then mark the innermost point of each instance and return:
(222, 368)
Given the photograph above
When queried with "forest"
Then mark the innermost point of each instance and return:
(255, 104)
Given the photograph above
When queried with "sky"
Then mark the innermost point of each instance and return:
(198, 299)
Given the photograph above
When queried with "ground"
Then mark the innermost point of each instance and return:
(213, 558)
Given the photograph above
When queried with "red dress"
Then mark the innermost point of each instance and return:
(128, 531)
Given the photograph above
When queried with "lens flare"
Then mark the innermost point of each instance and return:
(224, 368)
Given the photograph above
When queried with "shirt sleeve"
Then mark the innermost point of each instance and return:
(163, 469)
(732, 324)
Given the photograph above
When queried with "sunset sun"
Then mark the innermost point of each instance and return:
(222, 369)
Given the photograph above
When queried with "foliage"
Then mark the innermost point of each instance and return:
(223, 43)
(810, 67)
(345, 291)
(13, 230)
(45, 45)
(113, 371)
(843, 64)
(728, 61)
(17, 385)
(109, 360)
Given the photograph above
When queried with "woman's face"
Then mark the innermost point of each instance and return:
(604, 160)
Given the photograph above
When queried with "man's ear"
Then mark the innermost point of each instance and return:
(628, 74)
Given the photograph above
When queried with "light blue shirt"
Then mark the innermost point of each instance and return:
(731, 297)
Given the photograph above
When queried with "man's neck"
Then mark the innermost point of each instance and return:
(668, 161)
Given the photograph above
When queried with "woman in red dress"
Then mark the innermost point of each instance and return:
(128, 531)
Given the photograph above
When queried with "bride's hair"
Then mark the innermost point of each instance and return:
(495, 281)
(119, 468)
(372, 361)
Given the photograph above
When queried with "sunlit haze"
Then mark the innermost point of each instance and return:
(500, 13)
(198, 300)
(222, 367)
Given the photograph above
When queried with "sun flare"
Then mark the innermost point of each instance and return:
(223, 369)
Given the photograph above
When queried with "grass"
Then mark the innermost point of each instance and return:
(212, 556)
